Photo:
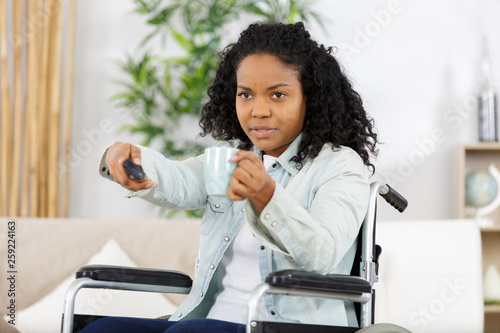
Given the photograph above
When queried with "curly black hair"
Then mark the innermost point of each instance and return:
(334, 111)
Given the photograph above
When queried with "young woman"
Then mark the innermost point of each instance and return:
(296, 199)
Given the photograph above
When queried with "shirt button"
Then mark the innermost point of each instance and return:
(201, 295)
(243, 210)
(262, 247)
(267, 216)
(226, 239)
(217, 206)
(273, 224)
(273, 313)
(212, 266)
(179, 315)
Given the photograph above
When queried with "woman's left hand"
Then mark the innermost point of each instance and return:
(250, 180)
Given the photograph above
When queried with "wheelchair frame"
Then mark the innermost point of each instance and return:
(340, 285)
(294, 283)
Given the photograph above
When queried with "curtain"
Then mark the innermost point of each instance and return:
(36, 76)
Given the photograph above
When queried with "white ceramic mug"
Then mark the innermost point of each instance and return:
(218, 170)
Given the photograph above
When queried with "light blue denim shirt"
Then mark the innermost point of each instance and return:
(311, 224)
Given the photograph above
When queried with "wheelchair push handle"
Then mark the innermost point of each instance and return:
(393, 197)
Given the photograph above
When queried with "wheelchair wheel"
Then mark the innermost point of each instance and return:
(383, 328)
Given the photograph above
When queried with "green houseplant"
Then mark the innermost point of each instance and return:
(160, 92)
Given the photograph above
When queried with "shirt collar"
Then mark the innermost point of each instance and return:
(284, 158)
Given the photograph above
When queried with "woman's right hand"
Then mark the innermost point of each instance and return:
(115, 156)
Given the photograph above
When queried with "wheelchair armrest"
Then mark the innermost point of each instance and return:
(122, 278)
(306, 280)
(135, 275)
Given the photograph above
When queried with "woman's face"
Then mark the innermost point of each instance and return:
(270, 103)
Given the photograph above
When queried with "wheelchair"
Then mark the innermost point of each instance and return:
(356, 287)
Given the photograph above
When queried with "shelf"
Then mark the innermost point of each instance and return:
(475, 156)
(492, 308)
(495, 228)
(483, 146)
(479, 156)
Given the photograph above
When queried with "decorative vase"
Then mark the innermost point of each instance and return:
(487, 101)
(491, 285)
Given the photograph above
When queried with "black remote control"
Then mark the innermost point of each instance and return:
(134, 171)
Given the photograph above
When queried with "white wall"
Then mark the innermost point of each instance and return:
(415, 63)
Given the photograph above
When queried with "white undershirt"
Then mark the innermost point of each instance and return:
(240, 263)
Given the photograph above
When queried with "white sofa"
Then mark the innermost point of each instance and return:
(49, 251)
(430, 273)
(431, 276)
